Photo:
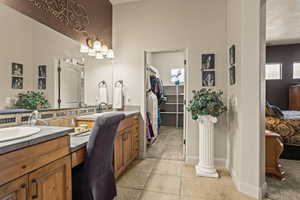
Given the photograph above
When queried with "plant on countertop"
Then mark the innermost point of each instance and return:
(206, 102)
(32, 101)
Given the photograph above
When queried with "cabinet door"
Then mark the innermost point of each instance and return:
(127, 142)
(15, 190)
(52, 181)
(135, 142)
(118, 154)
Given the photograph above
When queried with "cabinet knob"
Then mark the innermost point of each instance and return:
(24, 166)
(23, 185)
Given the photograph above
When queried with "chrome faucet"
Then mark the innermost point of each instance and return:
(34, 118)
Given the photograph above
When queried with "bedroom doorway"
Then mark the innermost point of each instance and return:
(165, 110)
(282, 95)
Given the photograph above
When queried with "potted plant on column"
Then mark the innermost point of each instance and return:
(205, 107)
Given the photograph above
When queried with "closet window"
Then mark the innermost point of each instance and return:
(296, 70)
(274, 71)
(177, 74)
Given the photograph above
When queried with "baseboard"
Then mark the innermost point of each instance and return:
(247, 189)
(219, 162)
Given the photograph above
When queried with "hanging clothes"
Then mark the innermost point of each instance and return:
(153, 112)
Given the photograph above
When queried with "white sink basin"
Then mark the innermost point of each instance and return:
(100, 114)
(13, 133)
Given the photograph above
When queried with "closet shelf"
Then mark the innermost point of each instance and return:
(180, 113)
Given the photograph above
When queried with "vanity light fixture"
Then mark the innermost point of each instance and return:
(84, 48)
(99, 56)
(92, 52)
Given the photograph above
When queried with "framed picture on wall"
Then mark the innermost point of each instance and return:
(17, 69)
(17, 83)
(232, 55)
(232, 75)
(42, 83)
(42, 70)
(208, 61)
(208, 78)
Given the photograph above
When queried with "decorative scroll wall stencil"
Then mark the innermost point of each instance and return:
(68, 12)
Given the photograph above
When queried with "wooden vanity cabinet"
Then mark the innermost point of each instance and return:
(52, 181)
(15, 190)
(126, 145)
(39, 172)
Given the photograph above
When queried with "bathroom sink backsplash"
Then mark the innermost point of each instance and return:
(64, 117)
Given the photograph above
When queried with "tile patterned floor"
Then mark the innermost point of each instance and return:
(169, 144)
(160, 179)
(165, 176)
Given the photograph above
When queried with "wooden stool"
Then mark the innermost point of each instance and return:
(274, 148)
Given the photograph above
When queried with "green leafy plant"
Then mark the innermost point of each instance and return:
(32, 101)
(206, 102)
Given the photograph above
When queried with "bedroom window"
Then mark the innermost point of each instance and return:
(296, 71)
(273, 71)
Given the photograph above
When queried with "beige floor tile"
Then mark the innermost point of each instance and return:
(128, 194)
(193, 198)
(168, 167)
(146, 165)
(200, 187)
(230, 193)
(147, 195)
(164, 183)
(188, 171)
(133, 179)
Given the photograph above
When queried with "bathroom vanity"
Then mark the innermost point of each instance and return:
(126, 147)
(37, 167)
(40, 166)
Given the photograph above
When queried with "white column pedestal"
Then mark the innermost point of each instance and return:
(206, 166)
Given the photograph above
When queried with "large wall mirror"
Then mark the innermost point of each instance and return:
(35, 58)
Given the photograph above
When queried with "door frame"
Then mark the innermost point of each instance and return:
(146, 52)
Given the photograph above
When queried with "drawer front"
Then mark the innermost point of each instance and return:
(90, 124)
(78, 157)
(20, 162)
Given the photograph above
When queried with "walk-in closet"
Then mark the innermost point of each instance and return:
(165, 88)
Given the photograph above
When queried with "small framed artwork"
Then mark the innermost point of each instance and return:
(17, 69)
(232, 75)
(208, 62)
(42, 70)
(232, 55)
(17, 83)
(208, 79)
(42, 84)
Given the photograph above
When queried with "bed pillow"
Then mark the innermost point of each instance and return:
(273, 111)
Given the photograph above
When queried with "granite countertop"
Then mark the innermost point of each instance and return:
(79, 141)
(93, 117)
(46, 133)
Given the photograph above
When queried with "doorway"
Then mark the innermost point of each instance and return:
(165, 110)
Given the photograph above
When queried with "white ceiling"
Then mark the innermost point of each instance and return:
(283, 21)
(114, 2)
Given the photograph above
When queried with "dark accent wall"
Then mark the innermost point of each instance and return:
(277, 91)
(77, 19)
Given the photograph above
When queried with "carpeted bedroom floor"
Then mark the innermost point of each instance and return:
(288, 189)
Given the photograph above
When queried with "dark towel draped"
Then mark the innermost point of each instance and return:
(98, 169)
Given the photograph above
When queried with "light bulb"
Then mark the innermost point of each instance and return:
(110, 54)
(92, 52)
(104, 49)
(84, 48)
(99, 56)
(97, 45)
